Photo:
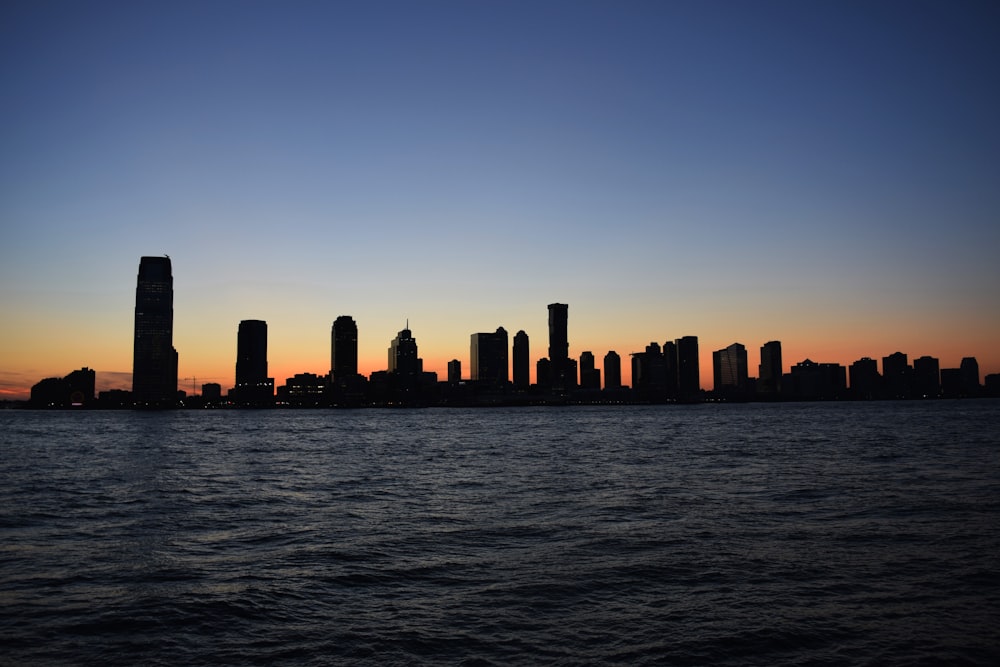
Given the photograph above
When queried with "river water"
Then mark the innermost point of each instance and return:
(778, 534)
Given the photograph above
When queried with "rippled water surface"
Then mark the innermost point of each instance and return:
(791, 534)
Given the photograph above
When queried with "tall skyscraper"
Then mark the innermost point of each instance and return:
(866, 383)
(612, 370)
(688, 374)
(488, 355)
(729, 369)
(969, 368)
(454, 371)
(559, 347)
(403, 359)
(770, 369)
(253, 386)
(590, 375)
(154, 359)
(927, 377)
(897, 376)
(343, 350)
(522, 361)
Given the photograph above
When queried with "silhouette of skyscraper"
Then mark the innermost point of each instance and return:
(154, 359)
(488, 356)
(896, 375)
(927, 377)
(559, 366)
(770, 369)
(649, 374)
(688, 374)
(590, 375)
(866, 383)
(343, 350)
(403, 359)
(970, 376)
(729, 369)
(454, 371)
(612, 370)
(253, 386)
(522, 361)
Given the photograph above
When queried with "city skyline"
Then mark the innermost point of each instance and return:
(670, 372)
(823, 175)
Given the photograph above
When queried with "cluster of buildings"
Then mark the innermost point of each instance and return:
(499, 372)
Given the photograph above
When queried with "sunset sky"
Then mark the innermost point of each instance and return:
(822, 173)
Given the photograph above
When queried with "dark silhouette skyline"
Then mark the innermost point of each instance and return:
(660, 374)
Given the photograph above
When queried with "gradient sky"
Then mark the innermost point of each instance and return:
(822, 173)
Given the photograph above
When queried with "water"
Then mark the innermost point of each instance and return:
(792, 534)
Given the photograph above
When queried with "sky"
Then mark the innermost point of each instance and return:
(826, 174)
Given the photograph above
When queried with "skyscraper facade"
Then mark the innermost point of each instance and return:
(770, 369)
(866, 383)
(488, 356)
(559, 366)
(403, 359)
(454, 371)
(590, 375)
(729, 369)
(343, 350)
(927, 377)
(612, 370)
(253, 386)
(522, 361)
(154, 359)
(897, 376)
(688, 374)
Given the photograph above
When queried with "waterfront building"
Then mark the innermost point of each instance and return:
(969, 369)
(649, 378)
(811, 381)
(729, 369)
(897, 376)
(688, 374)
(927, 377)
(543, 373)
(253, 386)
(770, 369)
(866, 383)
(522, 361)
(590, 375)
(304, 390)
(488, 355)
(559, 361)
(612, 370)
(343, 350)
(403, 359)
(211, 391)
(454, 371)
(154, 359)
(75, 390)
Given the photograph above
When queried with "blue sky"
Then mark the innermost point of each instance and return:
(822, 173)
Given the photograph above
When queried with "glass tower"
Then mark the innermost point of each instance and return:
(154, 359)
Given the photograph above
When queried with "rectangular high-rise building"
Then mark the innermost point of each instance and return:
(688, 374)
(154, 359)
(559, 365)
(488, 353)
(612, 370)
(343, 350)
(522, 361)
(729, 368)
(770, 368)
(253, 387)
